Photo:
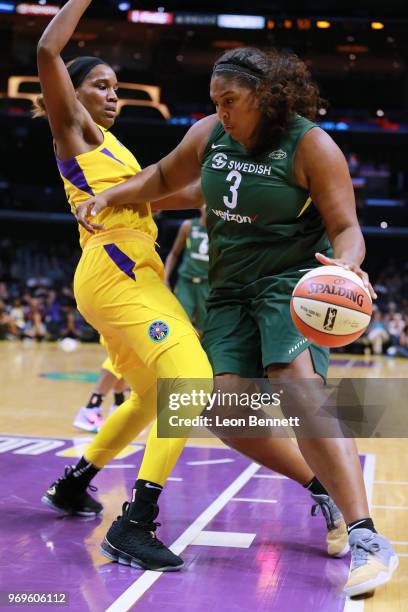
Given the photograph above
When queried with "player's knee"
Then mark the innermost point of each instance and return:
(187, 359)
(185, 398)
(132, 404)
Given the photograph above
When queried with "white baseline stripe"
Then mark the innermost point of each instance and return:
(368, 474)
(357, 605)
(208, 444)
(148, 578)
(276, 476)
(39, 447)
(354, 605)
(210, 462)
(257, 501)
(224, 538)
(130, 465)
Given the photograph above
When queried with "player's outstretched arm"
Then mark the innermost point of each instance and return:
(64, 111)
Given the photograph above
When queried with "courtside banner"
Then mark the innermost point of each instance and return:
(242, 407)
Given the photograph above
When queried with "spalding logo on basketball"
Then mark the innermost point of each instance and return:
(330, 306)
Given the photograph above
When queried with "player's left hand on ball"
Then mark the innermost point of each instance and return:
(89, 209)
(347, 265)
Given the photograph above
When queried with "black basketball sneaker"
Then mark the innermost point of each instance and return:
(134, 543)
(67, 497)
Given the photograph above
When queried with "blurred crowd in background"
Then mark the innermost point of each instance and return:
(36, 296)
(360, 65)
(37, 301)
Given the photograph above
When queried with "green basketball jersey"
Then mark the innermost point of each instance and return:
(195, 258)
(260, 223)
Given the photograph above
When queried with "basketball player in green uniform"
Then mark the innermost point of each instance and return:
(279, 200)
(192, 285)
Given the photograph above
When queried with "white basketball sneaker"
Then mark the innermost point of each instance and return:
(89, 419)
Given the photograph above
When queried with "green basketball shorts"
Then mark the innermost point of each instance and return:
(245, 334)
(192, 294)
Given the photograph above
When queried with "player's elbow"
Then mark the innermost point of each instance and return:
(45, 50)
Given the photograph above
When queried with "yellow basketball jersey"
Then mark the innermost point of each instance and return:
(90, 173)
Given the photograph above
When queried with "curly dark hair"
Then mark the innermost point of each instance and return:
(282, 84)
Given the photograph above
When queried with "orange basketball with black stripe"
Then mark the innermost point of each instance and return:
(330, 306)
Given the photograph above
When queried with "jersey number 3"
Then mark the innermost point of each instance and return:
(234, 177)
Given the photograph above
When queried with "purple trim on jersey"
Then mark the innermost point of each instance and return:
(120, 258)
(110, 154)
(72, 171)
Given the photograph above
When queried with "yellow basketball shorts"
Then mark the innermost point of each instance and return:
(119, 289)
(107, 363)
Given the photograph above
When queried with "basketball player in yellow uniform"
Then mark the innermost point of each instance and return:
(119, 289)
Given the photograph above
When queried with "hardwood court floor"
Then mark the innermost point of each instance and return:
(42, 387)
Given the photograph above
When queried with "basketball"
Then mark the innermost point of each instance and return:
(331, 306)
